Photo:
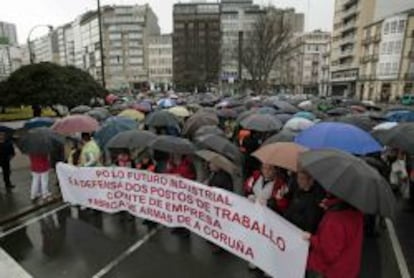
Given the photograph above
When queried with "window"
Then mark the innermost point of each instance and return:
(382, 69)
(386, 28)
(394, 68)
(387, 68)
(398, 45)
(394, 27)
(384, 48)
(390, 47)
(401, 25)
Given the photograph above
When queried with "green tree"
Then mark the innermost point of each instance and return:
(48, 84)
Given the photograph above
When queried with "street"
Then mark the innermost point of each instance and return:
(67, 242)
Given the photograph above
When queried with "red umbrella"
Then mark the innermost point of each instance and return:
(75, 123)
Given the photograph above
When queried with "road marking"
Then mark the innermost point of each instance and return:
(33, 220)
(125, 254)
(10, 268)
(402, 264)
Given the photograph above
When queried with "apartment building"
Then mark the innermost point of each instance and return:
(10, 60)
(196, 45)
(324, 70)
(237, 20)
(387, 64)
(349, 19)
(125, 35)
(160, 61)
(8, 33)
(304, 67)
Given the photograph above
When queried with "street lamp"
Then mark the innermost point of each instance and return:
(29, 46)
(101, 49)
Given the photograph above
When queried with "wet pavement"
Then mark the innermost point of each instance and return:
(76, 243)
(404, 227)
(18, 200)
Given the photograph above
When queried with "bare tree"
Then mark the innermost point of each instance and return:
(265, 45)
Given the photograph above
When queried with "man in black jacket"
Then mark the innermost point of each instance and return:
(304, 208)
(6, 154)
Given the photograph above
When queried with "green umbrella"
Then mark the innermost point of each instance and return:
(351, 179)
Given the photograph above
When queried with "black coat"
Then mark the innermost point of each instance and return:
(221, 179)
(304, 208)
(6, 151)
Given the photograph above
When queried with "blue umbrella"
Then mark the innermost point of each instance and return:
(112, 127)
(340, 136)
(39, 122)
(166, 103)
(304, 114)
(400, 116)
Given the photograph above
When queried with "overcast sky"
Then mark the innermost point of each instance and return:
(28, 13)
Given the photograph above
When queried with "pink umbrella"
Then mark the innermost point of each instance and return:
(75, 123)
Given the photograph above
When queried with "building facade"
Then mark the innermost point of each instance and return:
(304, 66)
(237, 20)
(387, 64)
(349, 19)
(125, 35)
(8, 33)
(196, 45)
(11, 58)
(160, 61)
(324, 70)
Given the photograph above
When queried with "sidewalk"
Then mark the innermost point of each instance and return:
(18, 200)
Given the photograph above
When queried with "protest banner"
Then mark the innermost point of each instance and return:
(248, 230)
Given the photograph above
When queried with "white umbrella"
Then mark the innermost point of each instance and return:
(298, 124)
(385, 126)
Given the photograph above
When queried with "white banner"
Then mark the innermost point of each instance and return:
(248, 230)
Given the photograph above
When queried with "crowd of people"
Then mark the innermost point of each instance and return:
(334, 228)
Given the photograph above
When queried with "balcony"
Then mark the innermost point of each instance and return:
(349, 26)
(347, 40)
(346, 53)
(351, 12)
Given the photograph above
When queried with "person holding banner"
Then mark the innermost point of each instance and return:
(181, 165)
(259, 188)
(90, 153)
(304, 207)
(336, 247)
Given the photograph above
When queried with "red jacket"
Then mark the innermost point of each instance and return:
(39, 163)
(282, 204)
(335, 249)
(184, 170)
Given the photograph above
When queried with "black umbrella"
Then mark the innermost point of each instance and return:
(282, 106)
(131, 139)
(283, 117)
(99, 114)
(39, 141)
(350, 179)
(283, 136)
(172, 144)
(209, 129)
(161, 119)
(220, 145)
(198, 120)
(401, 136)
(261, 123)
(339, 111)
(361, 121)
(227, 113)
(244, 115)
